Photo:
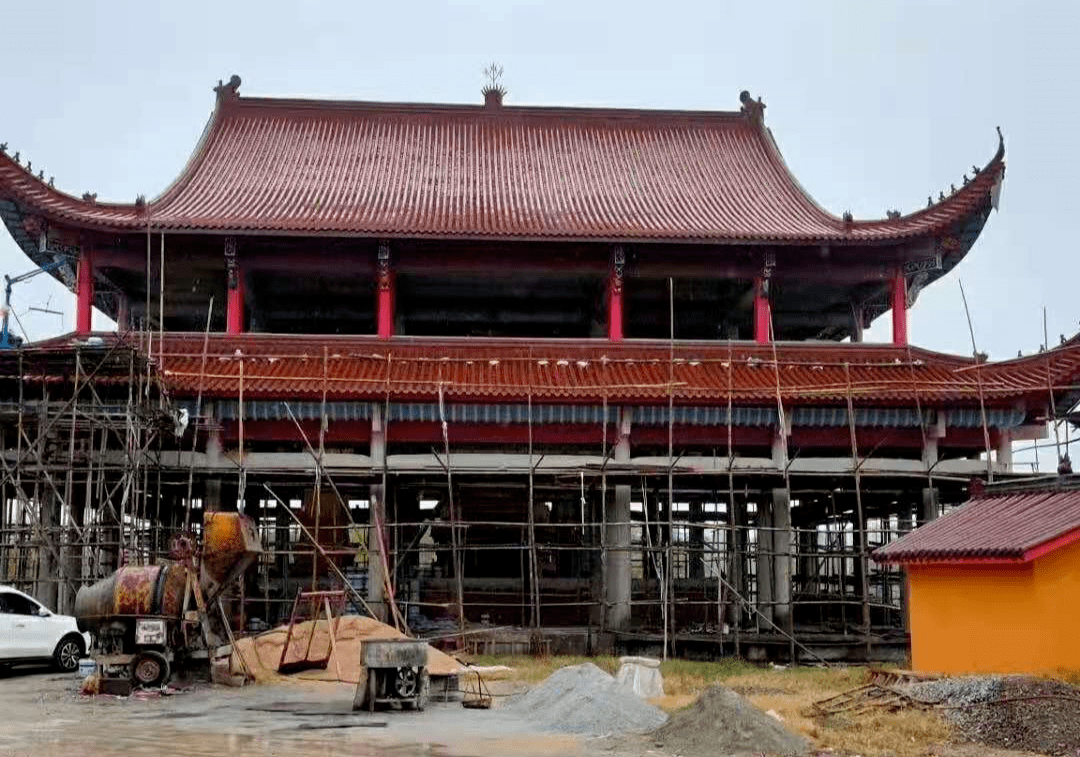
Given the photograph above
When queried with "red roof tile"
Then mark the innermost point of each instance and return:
(588, 371)
(1015, 526)
(506, 172)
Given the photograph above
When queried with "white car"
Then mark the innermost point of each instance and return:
(29, 633)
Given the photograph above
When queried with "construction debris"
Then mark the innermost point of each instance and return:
(723, 722)
(583, 699)
(1013, 712)
(862, 699)
(311, 640)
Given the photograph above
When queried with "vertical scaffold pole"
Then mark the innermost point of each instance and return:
(864, 587)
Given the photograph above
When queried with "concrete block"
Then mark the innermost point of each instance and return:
(641, 675)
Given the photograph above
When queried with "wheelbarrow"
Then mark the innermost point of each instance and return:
(396, 674)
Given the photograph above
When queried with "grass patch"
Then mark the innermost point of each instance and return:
(530, 670)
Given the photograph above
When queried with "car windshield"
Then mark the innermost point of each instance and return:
(17, 604)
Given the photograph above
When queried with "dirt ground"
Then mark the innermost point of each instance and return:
(41, 713)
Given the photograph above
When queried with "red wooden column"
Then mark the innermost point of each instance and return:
(615, 294)
(385, 305)
(234, 304)
(762, 312)
(899, 310)
(84, 288)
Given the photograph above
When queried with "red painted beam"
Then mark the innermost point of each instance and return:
(84, 305)
(762, 313)
(899, 310)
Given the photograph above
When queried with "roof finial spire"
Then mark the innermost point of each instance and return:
(493, 91)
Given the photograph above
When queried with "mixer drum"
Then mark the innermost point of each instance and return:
(135, 591)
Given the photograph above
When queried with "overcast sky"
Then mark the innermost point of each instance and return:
(875, 105)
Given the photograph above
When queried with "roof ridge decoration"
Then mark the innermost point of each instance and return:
(231, 90)
(493, 91)
(754, 109)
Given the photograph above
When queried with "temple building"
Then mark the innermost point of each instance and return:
(595, 372)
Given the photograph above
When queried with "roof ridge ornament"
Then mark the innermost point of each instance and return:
(755, 109)
(493, 91)
(229, 90)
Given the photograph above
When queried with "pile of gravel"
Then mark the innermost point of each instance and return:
(1013, 712)
(722, 722)
(584, 699)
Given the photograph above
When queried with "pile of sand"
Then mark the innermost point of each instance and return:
(723, 723)
(310, 640)
(584, 699)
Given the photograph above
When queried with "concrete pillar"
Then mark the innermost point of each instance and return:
(212, 496)
(1004, 451)
(779, 449)
(857, 325)
(697, 539)
(806, 570)
(123, 313)
(762, 312)
(84, 304)
(615, 294)
(384, 307)
(906, 519)
(781, 571)
(72, 552)
(930, 451)
(930, 508)
(765, 562)
(737, 577)
(376, 592)
(47, 589)
(899, 310)
(617, 537)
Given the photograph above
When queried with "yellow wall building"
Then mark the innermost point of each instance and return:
(994, 585)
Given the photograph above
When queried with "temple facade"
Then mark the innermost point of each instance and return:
(571, 368)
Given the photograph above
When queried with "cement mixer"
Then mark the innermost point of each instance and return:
(148, 618)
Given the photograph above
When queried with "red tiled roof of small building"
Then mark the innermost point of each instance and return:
(1012, 526)
(384, 169)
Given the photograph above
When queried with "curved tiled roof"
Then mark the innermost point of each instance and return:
(1011, 526)
(383, 169)
(285, 366)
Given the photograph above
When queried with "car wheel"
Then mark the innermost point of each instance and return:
(68, 653)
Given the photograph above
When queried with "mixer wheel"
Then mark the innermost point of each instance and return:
(150, 669)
